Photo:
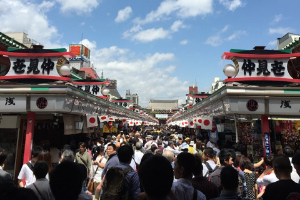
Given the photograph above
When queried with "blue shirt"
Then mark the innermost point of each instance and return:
(112, 161)
(132, 184)
(184, 190)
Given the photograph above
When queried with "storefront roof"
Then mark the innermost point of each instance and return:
(232, 100)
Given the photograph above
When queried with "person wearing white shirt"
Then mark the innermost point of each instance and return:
(183, 171)
(137, 153)
(172, 148)
(289, 152)
(208, 159)
(27, 169)
(268, 176)
(97, 168)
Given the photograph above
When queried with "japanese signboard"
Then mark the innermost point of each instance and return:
(263, 68)
(286, 106)
(33, 66)
(12, 103)
(93, 89)
(267, 144)
(81, 52)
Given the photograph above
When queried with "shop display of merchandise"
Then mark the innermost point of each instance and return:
(245, 132)
(289, 130)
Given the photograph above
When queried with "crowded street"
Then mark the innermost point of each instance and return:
(149, 100)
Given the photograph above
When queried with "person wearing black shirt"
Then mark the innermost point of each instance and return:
(285, 188)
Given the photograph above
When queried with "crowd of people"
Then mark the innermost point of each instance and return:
(156, 164)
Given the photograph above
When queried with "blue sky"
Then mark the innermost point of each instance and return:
(154, 48)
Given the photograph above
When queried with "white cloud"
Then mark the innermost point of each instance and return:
(184, 42)
(148, 76)
(280, 30)
(225, 28)
(150, 35)
(176, 25)
(214, 40)
(78, 6)
(23, 15)
(182, 8)
(277, 18)
(218, 39)
(231, 5)
(236, 35)
(45, 6)
(124, 14)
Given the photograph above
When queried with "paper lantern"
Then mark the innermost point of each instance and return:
(110, 124)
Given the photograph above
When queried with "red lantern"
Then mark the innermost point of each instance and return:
(121, 124)
(110, 124)
(214, 127)
(199, 127)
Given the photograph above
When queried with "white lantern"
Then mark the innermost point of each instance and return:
(65, 70)
(190, 102)
(105, 91)
(229, 70)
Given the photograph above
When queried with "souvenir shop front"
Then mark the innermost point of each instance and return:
(39, 105)
(258, 108)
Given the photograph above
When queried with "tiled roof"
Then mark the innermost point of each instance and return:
(163, 101)
(91, 72)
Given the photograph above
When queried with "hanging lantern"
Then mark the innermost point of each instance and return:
(105, 91)
(190, 102)
(121, 124)
(110, 124)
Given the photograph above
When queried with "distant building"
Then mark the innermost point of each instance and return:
(216, 85)
(193, 89)
(289, 41)
(23, 39)
(163, 105)
(113, 89)
(133, 97)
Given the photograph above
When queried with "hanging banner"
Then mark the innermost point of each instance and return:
(91, 121)
(207, 123)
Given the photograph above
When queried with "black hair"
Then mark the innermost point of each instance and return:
(295, 160)
(3, 157)
(36, 151)
(210, 152)
(233, 154)
(82, 144)
(245, 163)
(237, 160)
(83, 171)
(113, 146)
(224, 155)
(268, 160)
(198, 165)
(187, 161)
(153, 148)
(145, 157)
(282, 164)
(40, 169)
(229, 178)
(125, 153)
(288, 151)
(156, 175)
(108, 139)
(66, 181)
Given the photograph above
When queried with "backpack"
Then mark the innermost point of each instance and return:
(113, 186)
(210, 170)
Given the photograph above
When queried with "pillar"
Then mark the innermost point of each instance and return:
(266, 134)
(29, 137)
